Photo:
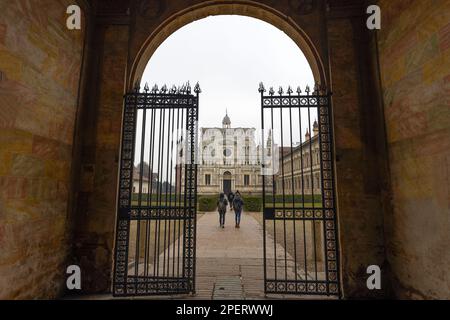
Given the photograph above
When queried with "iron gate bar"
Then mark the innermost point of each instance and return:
(172, 209)
(150, 188)
(180, 199)
(303, 191)
(170, 195)
(263, 165)
(325, 214)
(284, 194)
(292, 176)
(312, 189)
(274, 224)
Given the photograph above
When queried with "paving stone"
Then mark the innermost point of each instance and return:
(230, 262)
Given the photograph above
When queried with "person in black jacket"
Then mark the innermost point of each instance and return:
(238, 203)
(222, 209)
(230, 199)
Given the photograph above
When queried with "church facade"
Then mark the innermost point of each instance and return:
(229, 160)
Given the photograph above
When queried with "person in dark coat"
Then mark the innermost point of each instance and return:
(230, 199)
(238, 203)
(222, 209)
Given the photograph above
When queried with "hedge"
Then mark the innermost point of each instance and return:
(207, 203)
(253, 204)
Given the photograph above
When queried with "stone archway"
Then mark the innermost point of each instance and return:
(139, 61)
(244, 8)
(122, 40)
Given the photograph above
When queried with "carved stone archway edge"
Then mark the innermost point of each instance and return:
(227, 7)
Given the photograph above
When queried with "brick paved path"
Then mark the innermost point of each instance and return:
(229, 254)
(229, 261)
(230, 258)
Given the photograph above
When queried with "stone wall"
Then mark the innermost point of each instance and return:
(358, 190)
(414, 51)
(40, 62)
(100, 141)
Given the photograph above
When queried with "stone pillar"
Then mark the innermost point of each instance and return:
(359, 156)
(100, 136)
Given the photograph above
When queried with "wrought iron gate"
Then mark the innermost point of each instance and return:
(300, 223)
(157, 196)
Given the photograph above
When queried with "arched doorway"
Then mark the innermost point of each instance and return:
(210, 8)
(227, 182)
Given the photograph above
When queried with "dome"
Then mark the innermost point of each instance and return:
(226, 120)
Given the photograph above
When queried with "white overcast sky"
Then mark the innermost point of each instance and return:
(229, 56)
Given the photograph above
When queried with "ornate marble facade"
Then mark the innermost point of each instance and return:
(229, 160)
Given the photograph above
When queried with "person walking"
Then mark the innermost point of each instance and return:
(238, 203)
(222, 209)
(230, 199)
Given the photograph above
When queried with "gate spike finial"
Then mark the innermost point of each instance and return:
(280, 91)
(174, 89)
(197, 88)
(289, 90)
(146, 88)
(299, 90)
(188, 88)
(271, 91)
(155, 88)
(164, 89)
(308, 90)
(261, 88)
